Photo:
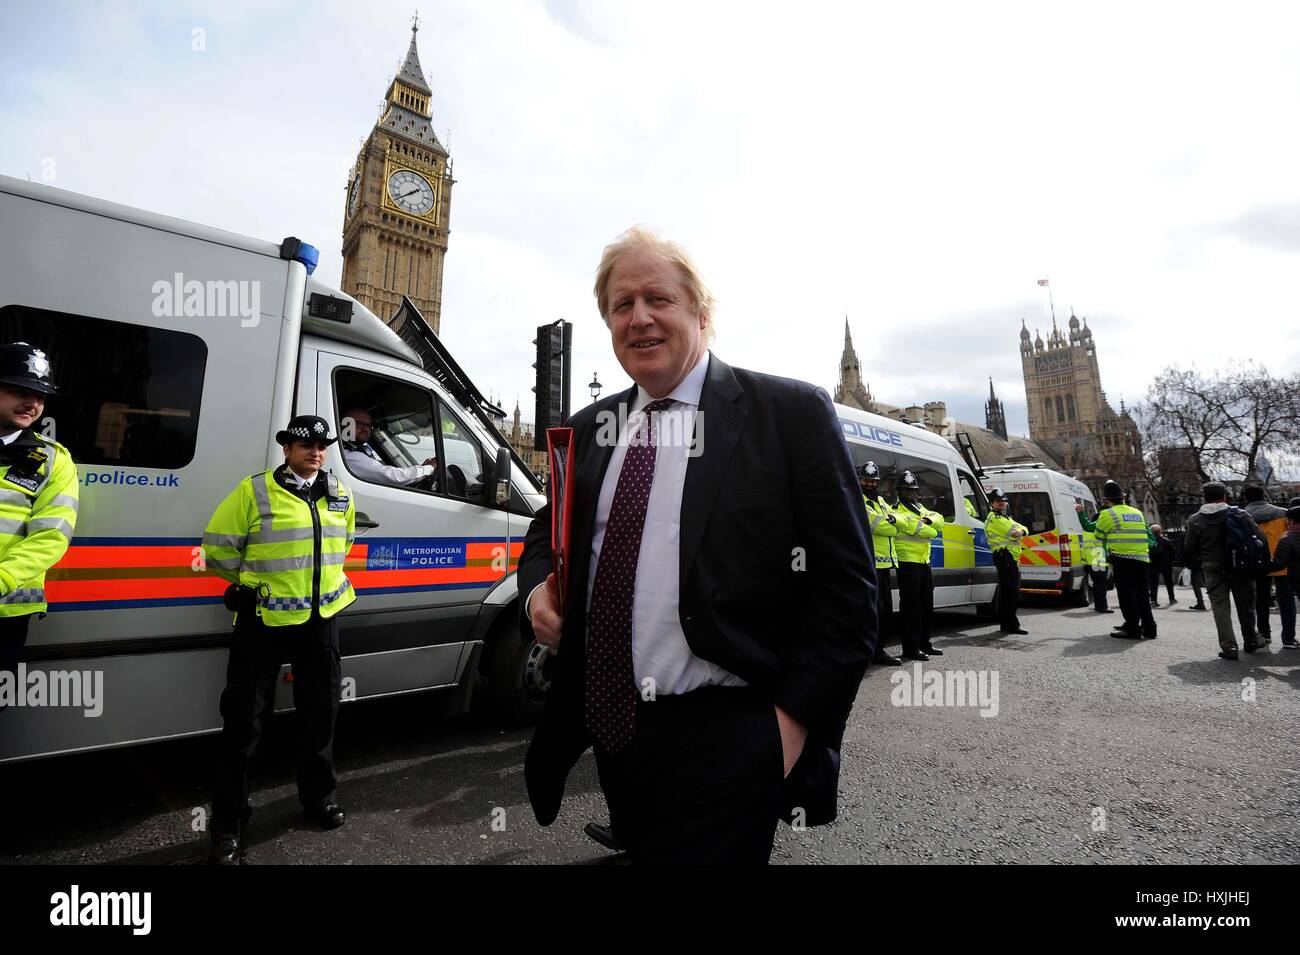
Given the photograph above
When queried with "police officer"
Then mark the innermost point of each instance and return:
(1095, 556)
(281, 537)
(1122, 530)
(1004, 535)
(38, 496)
(884, 528)
(917, 527)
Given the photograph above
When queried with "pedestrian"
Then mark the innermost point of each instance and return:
(281, 538)
(1161, 552)
(1287, 558)
(38, 497)
(1272, 522)
(917, 527)
(1122, 530)
(1094, 553)
(884, 528)
(709, 666)
(1207, 547)
(1004, 536)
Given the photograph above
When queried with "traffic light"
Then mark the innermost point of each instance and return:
(554, 346)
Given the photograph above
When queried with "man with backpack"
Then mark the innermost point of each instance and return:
(1272, 522)
(1225, 544)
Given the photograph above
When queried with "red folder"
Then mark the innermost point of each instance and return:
(559, 491)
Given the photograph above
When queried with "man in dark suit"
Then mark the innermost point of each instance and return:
(720, 605)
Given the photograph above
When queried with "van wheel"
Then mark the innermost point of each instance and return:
(519, 676)
(989, 611)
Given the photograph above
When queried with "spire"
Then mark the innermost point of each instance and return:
(1024, 331)
(847, 341)
(991, 394)
(410, 73)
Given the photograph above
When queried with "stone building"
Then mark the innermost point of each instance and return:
(397, 212)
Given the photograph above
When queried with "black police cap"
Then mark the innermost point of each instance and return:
(306, 427)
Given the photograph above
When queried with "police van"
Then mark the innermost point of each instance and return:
(178, 352)
(961, 561)
(1056, 549)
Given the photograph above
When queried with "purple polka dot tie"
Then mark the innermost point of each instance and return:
(611, 683)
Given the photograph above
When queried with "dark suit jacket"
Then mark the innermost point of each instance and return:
(777, 579)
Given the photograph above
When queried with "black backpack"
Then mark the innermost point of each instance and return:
(1243, 548)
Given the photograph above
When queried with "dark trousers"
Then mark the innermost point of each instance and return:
(1198, 581)
(1154, 576)
(1286, 607)
(13, 637)
(1099, 588)
(1008, 590)
(1263, 598)
(884, 610)
(256, 655)
(1227, 588)
(916, 604)
(701, 782)
(1134, 604)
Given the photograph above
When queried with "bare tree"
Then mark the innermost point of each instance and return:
(1220, 425)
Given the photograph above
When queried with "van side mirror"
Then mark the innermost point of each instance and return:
(501, 478)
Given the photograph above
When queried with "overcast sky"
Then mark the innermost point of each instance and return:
(916, 167)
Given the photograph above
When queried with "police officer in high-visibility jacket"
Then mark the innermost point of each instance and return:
(1122, 530)
(38, 496)
(281, 537)
(884, 528)
(1004, 535)
(917, 527)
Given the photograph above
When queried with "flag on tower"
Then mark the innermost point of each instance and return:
(1042, 282)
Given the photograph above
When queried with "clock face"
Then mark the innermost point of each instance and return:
(354, 195)
(411, 192)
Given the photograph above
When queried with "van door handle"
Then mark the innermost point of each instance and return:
(363, 520)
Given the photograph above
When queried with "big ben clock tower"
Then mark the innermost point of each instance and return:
(398, 205)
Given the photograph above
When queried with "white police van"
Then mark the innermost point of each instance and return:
(960, 560)
(179, 351)
(1054, 559)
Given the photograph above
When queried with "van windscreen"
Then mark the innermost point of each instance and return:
(1033, 509)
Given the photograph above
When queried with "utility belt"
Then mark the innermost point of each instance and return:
(245, 600)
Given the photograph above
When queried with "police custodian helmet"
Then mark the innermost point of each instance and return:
(997, 495)
(869, 472)
(25, 366)
(908, 482)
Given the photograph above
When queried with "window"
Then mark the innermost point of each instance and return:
(1033, 509)
(883, 459)
(390, 422)
(465, 462)
(936, 485)
(129, 395)
(972, 492)
(1060, 410)
(1069, 406)
(1090, 509)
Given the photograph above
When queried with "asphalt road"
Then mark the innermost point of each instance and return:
(1100, 750)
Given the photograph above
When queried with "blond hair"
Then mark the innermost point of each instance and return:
(639, 237)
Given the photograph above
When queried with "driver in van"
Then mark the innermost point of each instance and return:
(364, 461)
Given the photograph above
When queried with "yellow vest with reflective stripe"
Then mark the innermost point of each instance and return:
(913, 541)
(1123, 532)
(883, 532)
(998, 528)
(263, 533)
(38, 515)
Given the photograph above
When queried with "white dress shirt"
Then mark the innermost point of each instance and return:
(11, 438)
(299, 481)
(659, 648)
(365, 464)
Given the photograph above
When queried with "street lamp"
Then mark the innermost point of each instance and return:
(595, 387)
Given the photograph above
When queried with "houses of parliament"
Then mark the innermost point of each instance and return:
(1072, 427)
(397, 215)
